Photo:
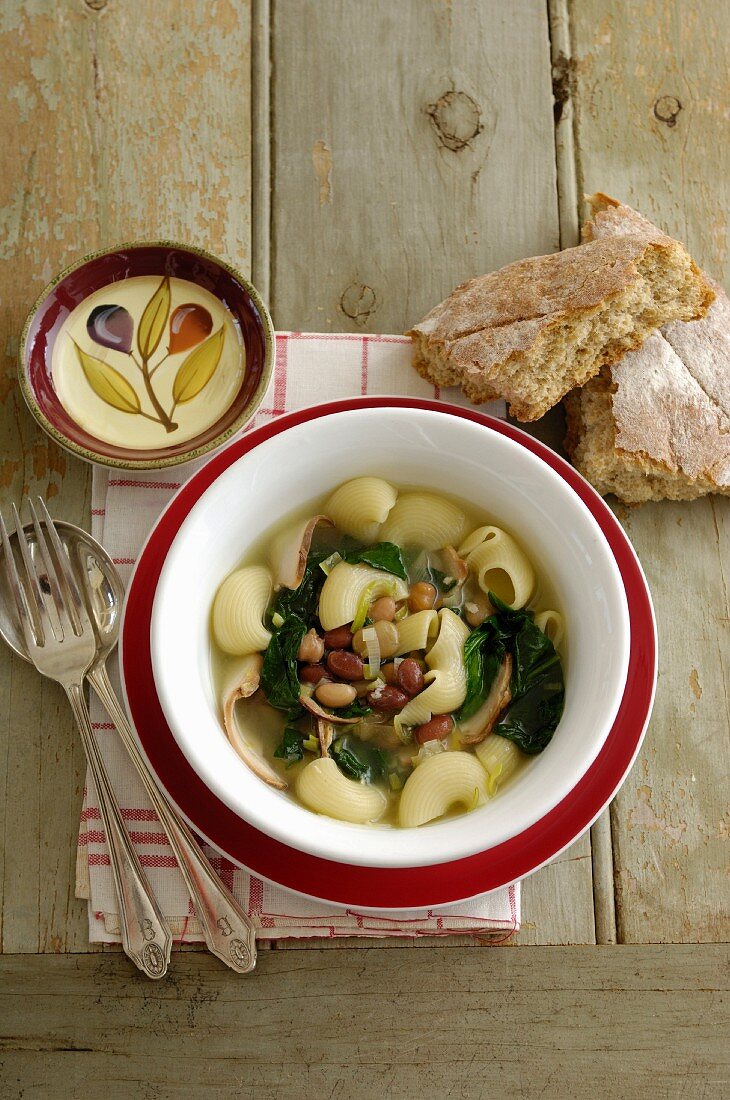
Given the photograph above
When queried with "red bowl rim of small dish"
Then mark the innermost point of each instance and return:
(374, 887)
(77, 281)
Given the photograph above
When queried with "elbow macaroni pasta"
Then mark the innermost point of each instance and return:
(442, 781)
(361, 506)
(238, 611)
(347, 585)
(323, 788)
(501, 566)
(424, 520)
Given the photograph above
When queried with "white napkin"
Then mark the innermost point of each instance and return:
(309, 367)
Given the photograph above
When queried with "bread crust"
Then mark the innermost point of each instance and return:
(538, 327)
(656, 425)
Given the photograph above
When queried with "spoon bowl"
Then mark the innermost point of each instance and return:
(96, 572)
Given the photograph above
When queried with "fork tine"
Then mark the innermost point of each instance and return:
(51, 571)
(32, 587)
(21, 601)
(68, 581)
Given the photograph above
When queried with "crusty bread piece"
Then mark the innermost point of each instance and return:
(535, 329)
(657, 425)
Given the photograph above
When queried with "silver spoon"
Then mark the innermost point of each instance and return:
(228, 932)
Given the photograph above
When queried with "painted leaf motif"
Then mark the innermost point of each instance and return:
(198, 369)
(108, 384)
(154, 320)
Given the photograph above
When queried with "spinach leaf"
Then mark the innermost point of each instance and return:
(290, 746)
(483, 653)
(357, 760)
(302, 601)
(356, 709)
(384, 555)
(531, 720)
(280, 674)
(537, 684)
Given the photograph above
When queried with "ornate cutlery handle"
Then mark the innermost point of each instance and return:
(145, 935)
(228, 932)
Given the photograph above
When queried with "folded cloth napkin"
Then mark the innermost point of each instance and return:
(124, 508)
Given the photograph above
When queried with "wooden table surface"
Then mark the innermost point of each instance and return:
(360, 158)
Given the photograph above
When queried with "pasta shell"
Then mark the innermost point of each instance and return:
(446, 681)
(424, 520)
(238, 611)
(551, 623)
(360, 506)
(502, 567)
(346, 585)
(440, 782)
(499, 758)
(323, 788)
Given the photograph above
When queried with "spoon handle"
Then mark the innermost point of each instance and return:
(146, 938)
(228, 932)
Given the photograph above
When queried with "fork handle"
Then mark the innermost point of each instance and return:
(146, 937)
(228, 932)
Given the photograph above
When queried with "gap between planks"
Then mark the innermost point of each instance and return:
(569, 206)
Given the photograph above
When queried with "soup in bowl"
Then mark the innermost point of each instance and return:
(390, 637)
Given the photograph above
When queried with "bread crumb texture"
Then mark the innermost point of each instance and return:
(537, 328)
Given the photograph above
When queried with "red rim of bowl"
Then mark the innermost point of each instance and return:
(99, 269)
(374, 887)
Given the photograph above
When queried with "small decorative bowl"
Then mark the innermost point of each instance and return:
(146, 355)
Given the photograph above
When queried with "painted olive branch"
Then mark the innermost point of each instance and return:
(112, 327)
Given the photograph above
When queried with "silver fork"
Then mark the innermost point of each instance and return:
(61, 644)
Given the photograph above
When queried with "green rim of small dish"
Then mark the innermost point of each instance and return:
(185, 456)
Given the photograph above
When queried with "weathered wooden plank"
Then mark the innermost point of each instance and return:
(413, 149)
(553, 1022)
(400, 170)
(119, 121)
(651, 130)
(261, 146)
(670, 820)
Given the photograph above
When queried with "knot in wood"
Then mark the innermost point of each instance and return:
(358, 301)
(96, 5)
(666, 109)
(456, 118)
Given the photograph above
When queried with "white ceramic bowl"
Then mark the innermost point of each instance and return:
(411, 447)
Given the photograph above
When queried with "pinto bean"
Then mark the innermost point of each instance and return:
(311, 674)
(388, 698)
(339, 638)
(422, 596)
(383, 609)
(311, 648)
(439, 727)
(410, 676)
(345, 664)
(387, 671)
(477, 609)
(335, 695)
